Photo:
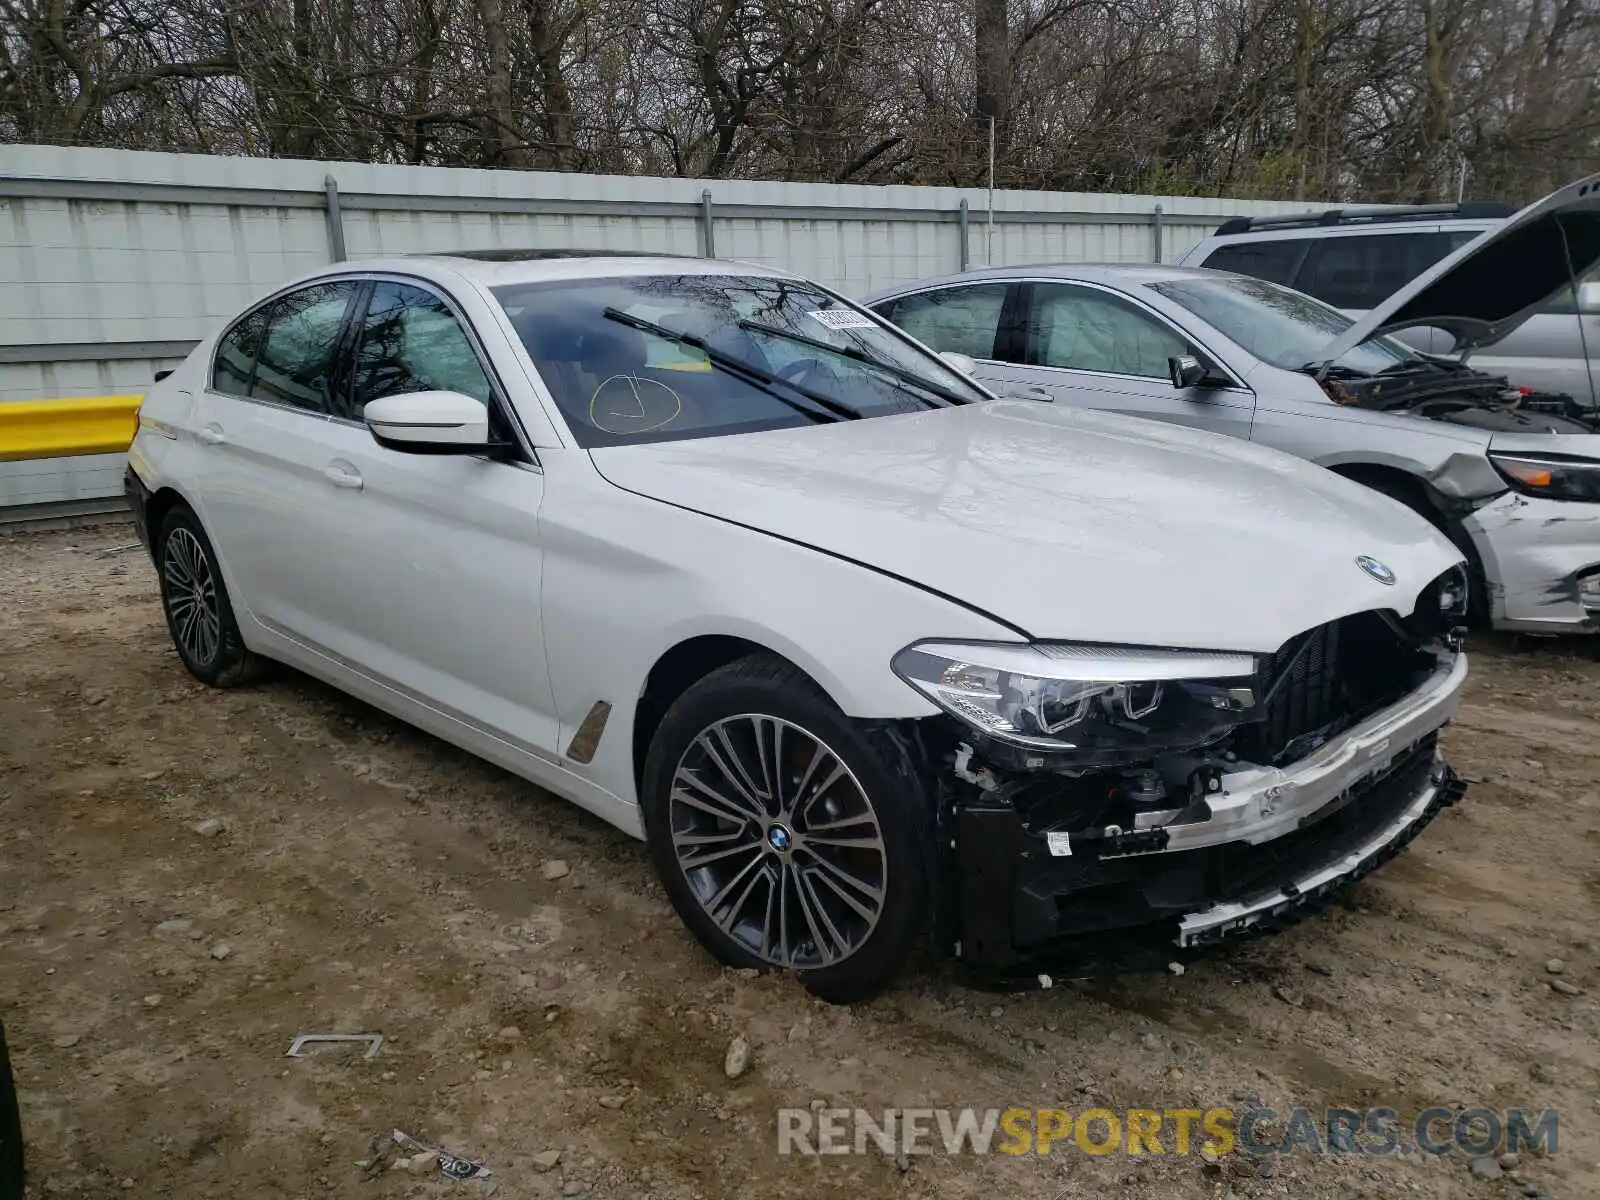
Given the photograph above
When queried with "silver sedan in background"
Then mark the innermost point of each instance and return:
(1510, 474)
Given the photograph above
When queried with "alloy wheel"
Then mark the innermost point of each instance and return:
(778, 841)
(191, 590)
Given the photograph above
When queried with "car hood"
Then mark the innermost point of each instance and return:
(1498, 280)
(1576, 445)
(1061, 523)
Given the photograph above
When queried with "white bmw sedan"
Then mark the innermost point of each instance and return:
(864, 654)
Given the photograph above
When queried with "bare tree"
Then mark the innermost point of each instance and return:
(1305, 99)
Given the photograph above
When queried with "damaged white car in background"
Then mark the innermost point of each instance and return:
(1512, 476)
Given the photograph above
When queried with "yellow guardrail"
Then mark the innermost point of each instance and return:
(61, 428)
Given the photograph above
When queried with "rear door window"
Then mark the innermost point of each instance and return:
(1589, 293)
(1587, 303)
(1275, 261)
(1359, 272)
(235, 362)
(298, 364)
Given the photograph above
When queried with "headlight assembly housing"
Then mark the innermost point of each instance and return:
(1554, 476)
(1097, 706)
(1454, 592)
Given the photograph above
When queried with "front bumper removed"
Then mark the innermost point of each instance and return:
(1275, 846)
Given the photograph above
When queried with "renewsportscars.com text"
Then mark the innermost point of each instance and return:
(1212, 1132)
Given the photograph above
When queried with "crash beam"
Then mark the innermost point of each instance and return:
(63, 428)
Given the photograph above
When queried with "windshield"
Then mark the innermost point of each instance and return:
(1279, 325)
(613, 353)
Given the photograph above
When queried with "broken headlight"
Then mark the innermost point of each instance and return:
(1556, 476)
(1098, 705)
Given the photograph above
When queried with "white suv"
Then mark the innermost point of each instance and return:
(1356, 259)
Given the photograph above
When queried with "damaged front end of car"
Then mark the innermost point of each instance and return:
(1112, 808)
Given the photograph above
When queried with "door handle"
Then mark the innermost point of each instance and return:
(342, 475)
(1031, 393)
(211, 435)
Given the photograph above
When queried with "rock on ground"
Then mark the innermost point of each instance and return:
(737, 1059)
(1486, 1169)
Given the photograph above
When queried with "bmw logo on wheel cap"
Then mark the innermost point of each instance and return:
(1376, 569)
(778, 838)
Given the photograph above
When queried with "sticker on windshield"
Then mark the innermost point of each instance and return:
(840, 318)
(669, 356)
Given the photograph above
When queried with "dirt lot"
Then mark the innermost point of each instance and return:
(366, 877)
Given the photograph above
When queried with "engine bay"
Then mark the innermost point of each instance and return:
(1446, 390)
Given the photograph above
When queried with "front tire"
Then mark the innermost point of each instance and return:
(198, 611)
(785, 838)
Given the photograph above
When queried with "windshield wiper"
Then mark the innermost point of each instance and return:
(833, 410)
(856, 354)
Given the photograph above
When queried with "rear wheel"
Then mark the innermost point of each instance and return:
(195, 600)
(784, 837)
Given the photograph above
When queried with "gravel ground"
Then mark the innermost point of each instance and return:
(189, 878)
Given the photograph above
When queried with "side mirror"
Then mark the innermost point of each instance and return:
(959, 362)
(1186, 371)
(429, 423)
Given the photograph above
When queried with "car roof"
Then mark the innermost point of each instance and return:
(543, 254)
(500, 267)
(1367, 218)
(1119, 274)
(1225, 236)
(1308, 232)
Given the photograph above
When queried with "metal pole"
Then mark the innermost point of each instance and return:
(1155, 229)
(989, 237)
(330, 187)
(962, 216)
(705, 224)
